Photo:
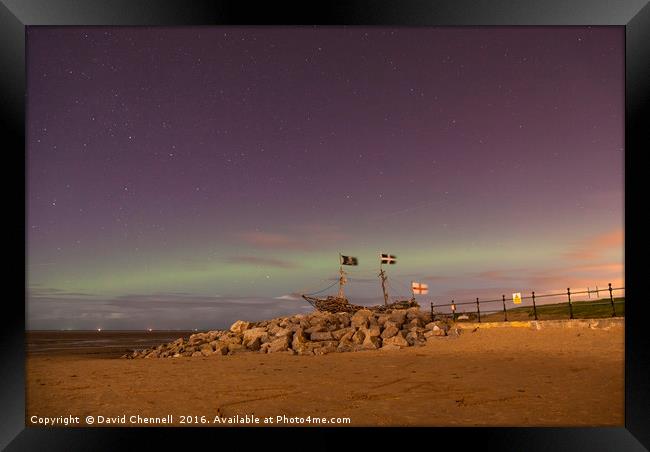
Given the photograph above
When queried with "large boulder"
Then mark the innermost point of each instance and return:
(322, 318)
(280, 344)
(371, 343)
(388, 347)
(348, 336)
(381, 319)
(235, 348)
(425, 317)
(284, 332)
(398, 340)
(398, 316)
(338, 334)
(232, 338)
(239, 326)
(321, 336)
(360, 318)
(373, 331)
(345, 346)
(198, 338)
(358, 337)
(389, 331)
(206, 350)
(412, 313)
(253, 335)
(412, 337)
(316, 328)
(454, 332)
(221, 348)
(326, 344)
(324, 350)
(299, 340)
(344, 319)
(254, 344)
(437, 331)
(207, 346)
(273, 329)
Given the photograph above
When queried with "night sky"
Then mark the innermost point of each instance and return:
(188, 177)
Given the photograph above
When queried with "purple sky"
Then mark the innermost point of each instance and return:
(186, 177)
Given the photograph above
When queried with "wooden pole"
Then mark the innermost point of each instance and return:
(611, 299)
(568, 292)
(342, 280)
(382, 275)
(534, 307)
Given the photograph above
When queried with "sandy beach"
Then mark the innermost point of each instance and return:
(490, 377)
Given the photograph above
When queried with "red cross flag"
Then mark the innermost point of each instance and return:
(420, 288)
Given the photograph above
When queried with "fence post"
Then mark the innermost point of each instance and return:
(478, 309)
(453, 311)
(534, 307)
(611, 299)
(505, 314)
(568, 292)
(432, 315)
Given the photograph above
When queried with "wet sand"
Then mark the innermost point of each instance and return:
(491, 377)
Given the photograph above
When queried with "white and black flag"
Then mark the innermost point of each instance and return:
(349, 260)
(388, 259)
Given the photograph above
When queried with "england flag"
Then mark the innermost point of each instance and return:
(388, 259)
(420, 288)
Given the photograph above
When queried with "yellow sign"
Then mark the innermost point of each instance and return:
(516, 298)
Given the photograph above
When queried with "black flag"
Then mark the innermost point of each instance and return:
(348, 260)
(388, 259)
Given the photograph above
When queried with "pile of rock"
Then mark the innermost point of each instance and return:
(317, 333)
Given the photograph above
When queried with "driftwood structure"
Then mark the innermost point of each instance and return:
(336, 304)
(340, 303)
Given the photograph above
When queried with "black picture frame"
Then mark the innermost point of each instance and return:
(634, 15)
